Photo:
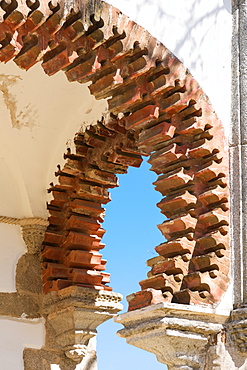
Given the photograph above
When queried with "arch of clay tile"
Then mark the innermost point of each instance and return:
(156, 108)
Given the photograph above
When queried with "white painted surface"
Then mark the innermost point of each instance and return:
(39, 116)
(12, 247)
(15, 336)
(198, 32)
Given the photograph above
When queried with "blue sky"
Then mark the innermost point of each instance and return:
(132, 234)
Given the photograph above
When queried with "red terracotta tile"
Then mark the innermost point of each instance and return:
(7, 53)
(157, 134)
(179, 226)
(162, 282)
(86, 207)
(127, 159)
(165, 184)
(147, 297)
(83, 259)
(212, 242)
(186, 296)
(210, 262)
(101, 177)
(82, 223)
(142, 117)
(53, 237)
(76, 240)
(53, 271)
(171, 266)
(180, 204)
(52, 254)
(180, 246)
(95, 192)
(85, 276)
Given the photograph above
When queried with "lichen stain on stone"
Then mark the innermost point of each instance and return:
(24, 118)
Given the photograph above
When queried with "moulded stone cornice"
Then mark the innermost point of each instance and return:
(83, 298)
(177, 334)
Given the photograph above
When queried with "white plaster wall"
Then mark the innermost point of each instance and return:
(198, 32)
(12, 247)
(39, 118)
(17, 334)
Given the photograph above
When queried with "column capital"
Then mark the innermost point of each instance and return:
(179, 335)
(72, 316)
(33, 236)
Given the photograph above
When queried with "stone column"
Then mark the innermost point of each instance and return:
(235, 143)
(238, 183)
(72, 317)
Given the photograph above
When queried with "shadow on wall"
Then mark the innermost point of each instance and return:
(196, 26)
(192, 23)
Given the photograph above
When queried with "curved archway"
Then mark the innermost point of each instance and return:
(155, 108)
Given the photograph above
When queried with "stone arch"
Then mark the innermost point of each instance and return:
(156, 108)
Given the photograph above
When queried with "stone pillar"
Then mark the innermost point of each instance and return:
(236, 149)
(238, 183)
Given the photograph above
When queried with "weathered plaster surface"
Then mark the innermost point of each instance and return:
(10, 101)
(40, 116)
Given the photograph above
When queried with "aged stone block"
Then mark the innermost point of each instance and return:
(28, 274)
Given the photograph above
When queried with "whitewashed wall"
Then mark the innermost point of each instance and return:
(15, 334)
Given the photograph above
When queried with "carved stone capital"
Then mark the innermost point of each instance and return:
(72, 316)
(33, 236)
(179, 335)
(237, 328)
